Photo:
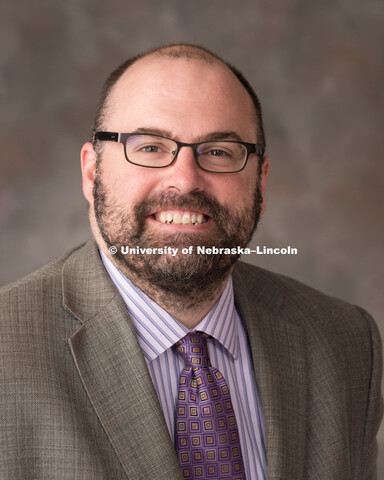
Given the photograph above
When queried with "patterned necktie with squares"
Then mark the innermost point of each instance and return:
(206, 437)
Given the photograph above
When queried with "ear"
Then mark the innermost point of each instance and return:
(88, 170)
(263, 180)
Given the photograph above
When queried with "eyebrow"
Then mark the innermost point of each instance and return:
(212, 136)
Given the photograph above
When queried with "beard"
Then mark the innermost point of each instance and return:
(182, 279)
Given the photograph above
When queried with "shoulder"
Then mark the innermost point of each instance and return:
(74, 287)
(273, 288)
(250, 278)
(322, 316)
(36, 301)
(44, 282)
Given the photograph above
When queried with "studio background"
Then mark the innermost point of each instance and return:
(318, 68)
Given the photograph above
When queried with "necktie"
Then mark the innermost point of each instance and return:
(207, 438)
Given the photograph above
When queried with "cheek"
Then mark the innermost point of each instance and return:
(129, 185)
(236, 190)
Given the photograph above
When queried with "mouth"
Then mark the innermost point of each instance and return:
(181, 217)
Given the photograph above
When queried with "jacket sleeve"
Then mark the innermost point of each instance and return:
(368, 467)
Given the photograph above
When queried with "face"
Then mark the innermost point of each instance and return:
(180, 205)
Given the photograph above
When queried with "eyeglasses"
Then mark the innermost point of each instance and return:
(155, 151)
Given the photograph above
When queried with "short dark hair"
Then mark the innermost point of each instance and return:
(180, 50)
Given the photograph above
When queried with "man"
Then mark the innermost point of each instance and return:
(94, 368)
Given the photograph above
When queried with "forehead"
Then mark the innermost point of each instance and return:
(181, 92)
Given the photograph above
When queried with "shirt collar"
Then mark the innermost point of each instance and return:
(157, 330)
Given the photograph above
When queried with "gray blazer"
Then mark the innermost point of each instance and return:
(77, 401)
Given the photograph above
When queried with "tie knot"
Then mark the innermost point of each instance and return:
(194, 350)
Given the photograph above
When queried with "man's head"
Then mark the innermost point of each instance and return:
(187, 94)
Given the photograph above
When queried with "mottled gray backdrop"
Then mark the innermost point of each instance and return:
(318, 69)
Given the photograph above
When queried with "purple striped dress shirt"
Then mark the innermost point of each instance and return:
(157, 331)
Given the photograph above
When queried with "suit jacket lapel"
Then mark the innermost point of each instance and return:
(278, 350)
(113, 370)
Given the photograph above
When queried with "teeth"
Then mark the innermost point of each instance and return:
(177, 218)
(185, 219)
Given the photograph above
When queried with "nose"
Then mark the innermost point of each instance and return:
(184, 175)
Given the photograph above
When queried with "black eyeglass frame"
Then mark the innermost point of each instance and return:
(122, 138)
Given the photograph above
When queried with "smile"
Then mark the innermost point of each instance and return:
(181, 217)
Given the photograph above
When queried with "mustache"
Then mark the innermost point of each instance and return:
(200, 201)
